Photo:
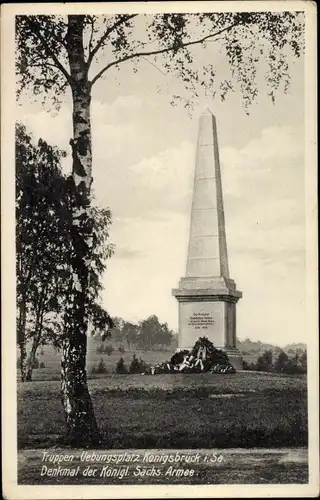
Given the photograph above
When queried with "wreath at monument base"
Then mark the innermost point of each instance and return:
(203, 357)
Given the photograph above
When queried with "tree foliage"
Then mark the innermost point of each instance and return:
(137, 365)
(264, 362)
(153, 334)
(43, 269)
(130, 333)
(281, 362)
(148, 334)
(246, 39)
(294, 364)
(121, 367)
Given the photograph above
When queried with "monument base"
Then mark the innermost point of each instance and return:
(211, 313)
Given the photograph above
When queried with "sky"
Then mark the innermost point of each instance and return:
(143, 165)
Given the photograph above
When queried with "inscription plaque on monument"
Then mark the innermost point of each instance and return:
(200, 321)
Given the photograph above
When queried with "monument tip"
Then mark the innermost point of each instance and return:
(207, 111)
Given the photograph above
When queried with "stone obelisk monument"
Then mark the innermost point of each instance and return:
(207, 296)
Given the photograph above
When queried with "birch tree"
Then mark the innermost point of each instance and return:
(43, 251)
(41, 245)
(56, 55)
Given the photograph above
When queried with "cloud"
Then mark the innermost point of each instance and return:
(123, 109)
(264, 195)
(152, 188)
(272, 159)
(56, 130)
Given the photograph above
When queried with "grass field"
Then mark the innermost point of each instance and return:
(257, 421)
(176, 411)
(51, 359)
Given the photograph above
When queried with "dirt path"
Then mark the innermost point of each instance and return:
(231, 466)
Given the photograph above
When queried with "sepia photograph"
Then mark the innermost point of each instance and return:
(159, 264)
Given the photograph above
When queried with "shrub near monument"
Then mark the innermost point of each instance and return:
(203, 357)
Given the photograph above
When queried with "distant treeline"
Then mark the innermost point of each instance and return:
(151, 334)
(249, 347)
(147, 334)
(281, 363)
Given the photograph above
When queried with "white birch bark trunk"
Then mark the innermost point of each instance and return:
(22, 339)
(82, 429)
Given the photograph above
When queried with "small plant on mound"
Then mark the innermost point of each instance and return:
(121, 367)
(100, 368)
(138, 365)
(134, 365)
(42, 365)
(108, 349)
(144, 367)
(35, 364)
(249, 366)
(99, 349)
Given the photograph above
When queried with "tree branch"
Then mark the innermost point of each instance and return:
(105, 36)
(40, 65)
(53, 56)
(91, 36)
(159, 51)
(152, 64)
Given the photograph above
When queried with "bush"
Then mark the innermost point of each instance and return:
(108, 349)
(35, 364)
(137, 365)
(121, 367)
(121, 349)
(42, 365)
(100, 368)
(144, 367)
(282, 364)
(134, 365)
(249, 366)
(99, 349)
(265, 362)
